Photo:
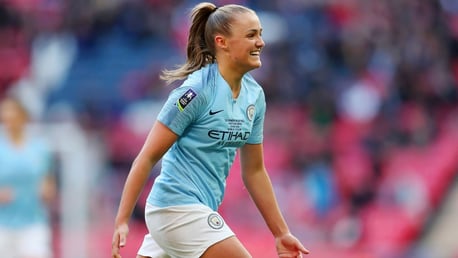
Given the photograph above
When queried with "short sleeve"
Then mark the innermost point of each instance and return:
(49, 158)
(182, 107)
(257, 130)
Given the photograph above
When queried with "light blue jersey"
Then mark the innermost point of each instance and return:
(211, 125)
(23, 169)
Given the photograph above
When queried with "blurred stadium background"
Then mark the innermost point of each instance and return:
(361, 136)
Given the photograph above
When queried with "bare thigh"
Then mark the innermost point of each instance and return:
(227, 248)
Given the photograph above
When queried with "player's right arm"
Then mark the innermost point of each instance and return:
(6, 195)
(159, 140)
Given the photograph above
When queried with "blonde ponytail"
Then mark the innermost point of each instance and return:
(198, 54)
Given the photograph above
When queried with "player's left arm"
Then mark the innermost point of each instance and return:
(259, 186)
(48, 189)
(48, 185)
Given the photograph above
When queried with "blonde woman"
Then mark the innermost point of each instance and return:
(218, 109)
(26, 186)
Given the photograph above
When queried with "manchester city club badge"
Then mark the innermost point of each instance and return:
(250, 112)
(215, 221)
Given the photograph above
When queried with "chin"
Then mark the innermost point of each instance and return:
(256, 65)
(251, 66)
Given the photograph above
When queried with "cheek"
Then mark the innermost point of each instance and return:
(11, 117)
(238, 48)
(239, 53)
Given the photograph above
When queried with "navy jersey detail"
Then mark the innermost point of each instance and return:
(184, 100)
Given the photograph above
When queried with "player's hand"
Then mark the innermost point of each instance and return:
(289, 246)
(119, 240)
(6, 195)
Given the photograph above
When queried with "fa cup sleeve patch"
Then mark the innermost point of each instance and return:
(184, 100)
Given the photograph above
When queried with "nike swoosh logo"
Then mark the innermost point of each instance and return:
(215, 112)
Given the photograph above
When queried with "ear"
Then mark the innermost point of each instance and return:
(220, 41)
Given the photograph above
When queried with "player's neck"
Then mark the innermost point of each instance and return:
(233, 79)
(16, 137)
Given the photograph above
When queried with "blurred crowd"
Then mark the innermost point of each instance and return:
(362, 122)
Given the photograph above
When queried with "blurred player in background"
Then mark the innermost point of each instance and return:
(218, 109)
(26, 186)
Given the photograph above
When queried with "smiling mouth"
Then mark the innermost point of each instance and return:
(255, 53)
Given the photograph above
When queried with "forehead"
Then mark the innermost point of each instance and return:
(244, 22)
(10, 105)
(7, 104)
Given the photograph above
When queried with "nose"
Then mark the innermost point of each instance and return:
(260, 43)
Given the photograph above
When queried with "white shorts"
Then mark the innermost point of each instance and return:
(185, 231)
(32, 241)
